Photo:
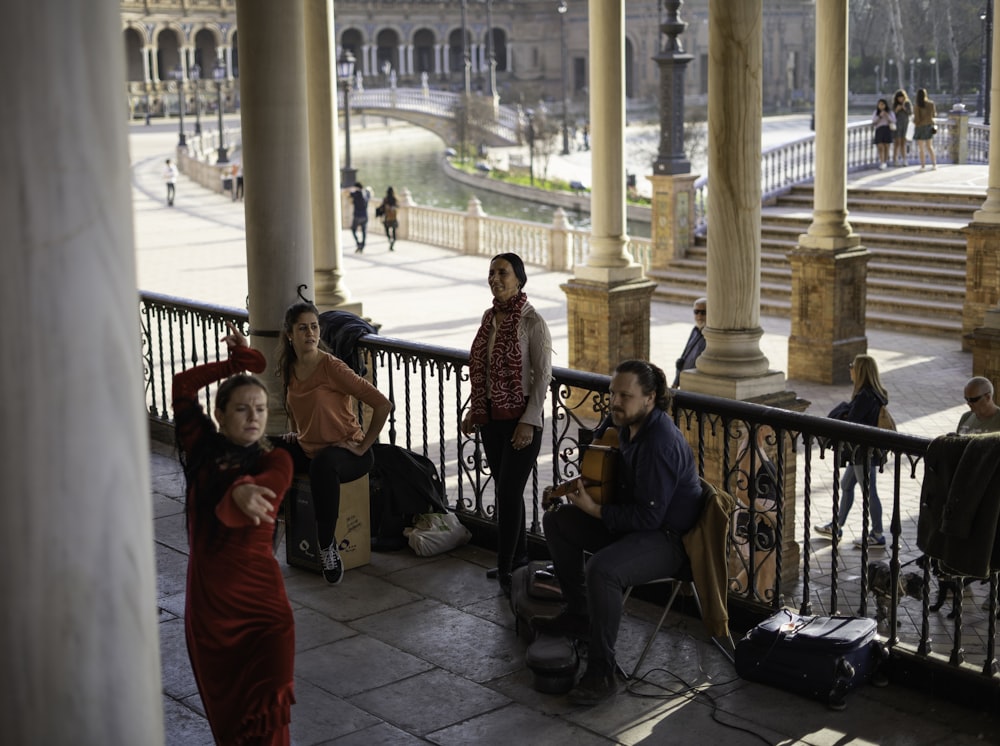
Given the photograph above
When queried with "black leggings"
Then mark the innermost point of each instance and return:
(327, 470)
(510, 468)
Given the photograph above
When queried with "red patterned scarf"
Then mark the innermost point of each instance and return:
(507, 393)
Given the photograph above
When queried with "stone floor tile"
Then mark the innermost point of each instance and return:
(430, 701)
(313, 629)
(511, 724)
(449, 638)
(183, 726)
(359, 595)
(321, 717)
(356, 664)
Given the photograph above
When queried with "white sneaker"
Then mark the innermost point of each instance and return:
(882, 167)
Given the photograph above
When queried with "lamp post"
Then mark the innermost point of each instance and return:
(491, 58)
(878, 81)
(345, 71)
(889, 63)
(913, 61)
(179, 77)
(986, 62)
(466, 59)
(196, 80)
(220, 74)
(531, 146)
(934, 73)
(565, 99)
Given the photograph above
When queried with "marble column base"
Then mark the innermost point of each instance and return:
(828, 313)
(607, 323)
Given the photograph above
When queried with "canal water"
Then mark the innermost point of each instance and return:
(405, 156)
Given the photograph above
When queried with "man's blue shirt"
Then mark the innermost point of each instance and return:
(660, 488)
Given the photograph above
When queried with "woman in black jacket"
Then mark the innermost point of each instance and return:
(863, 408)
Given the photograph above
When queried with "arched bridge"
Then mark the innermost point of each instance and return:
(438, 111)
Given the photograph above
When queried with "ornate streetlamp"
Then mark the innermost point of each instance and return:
(220, 75)
(179, 77)
(672, 61)
(195, 74)
(986, 63)
(345, 72)
(565, 99)
(491, 58)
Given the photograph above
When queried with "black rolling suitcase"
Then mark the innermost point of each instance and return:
(820, 657)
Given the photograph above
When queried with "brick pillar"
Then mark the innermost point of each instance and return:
(828, 313)
(673, 218)
(982, 277)
(985, 343)
(607, 325)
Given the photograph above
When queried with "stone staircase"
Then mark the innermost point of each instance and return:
(916, 273)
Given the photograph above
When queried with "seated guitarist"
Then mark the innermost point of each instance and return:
(634, 539)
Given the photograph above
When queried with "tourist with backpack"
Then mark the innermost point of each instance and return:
(864, 408)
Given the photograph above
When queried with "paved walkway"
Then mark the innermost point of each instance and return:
(412, 650)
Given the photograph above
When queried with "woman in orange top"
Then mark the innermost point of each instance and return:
(326, 439)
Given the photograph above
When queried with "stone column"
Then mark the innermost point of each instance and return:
(733, 364)
(829, 266)
(79, 634)
(276, 154)
(328, 285)
(608, 299)
(982, 273)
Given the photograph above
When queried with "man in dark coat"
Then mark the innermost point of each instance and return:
(696, 341)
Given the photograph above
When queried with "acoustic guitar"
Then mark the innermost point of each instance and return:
(598, 469)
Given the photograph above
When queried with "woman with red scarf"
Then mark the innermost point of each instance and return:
(510, 366)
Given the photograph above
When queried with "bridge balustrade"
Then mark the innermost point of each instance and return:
(784, 468)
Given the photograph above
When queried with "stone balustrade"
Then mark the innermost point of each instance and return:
(557, 246)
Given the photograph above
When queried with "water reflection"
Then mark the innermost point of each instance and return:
(410, 157)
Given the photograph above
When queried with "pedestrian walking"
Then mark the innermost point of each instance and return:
(170, 176)
(388, 211)
(359, 198)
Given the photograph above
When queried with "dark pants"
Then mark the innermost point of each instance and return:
(510, 469)
(596, 589)
(390, 231)
(170, 193)
(327, 471)
(361, 223)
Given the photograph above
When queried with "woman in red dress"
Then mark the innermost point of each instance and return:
(237, 620)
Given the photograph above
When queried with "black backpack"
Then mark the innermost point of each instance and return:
(402, 484)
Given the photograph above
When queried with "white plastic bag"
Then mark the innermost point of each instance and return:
(436, 533)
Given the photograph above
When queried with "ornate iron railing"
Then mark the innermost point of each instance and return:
(784, 467)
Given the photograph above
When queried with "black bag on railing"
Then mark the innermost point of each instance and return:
(820, 657)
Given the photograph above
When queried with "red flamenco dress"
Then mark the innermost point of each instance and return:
(237, 620)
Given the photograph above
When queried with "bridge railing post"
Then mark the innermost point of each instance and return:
(406, 204)
(473, 226)
(559, 242)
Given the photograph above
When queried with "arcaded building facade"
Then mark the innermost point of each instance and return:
(405, 42)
